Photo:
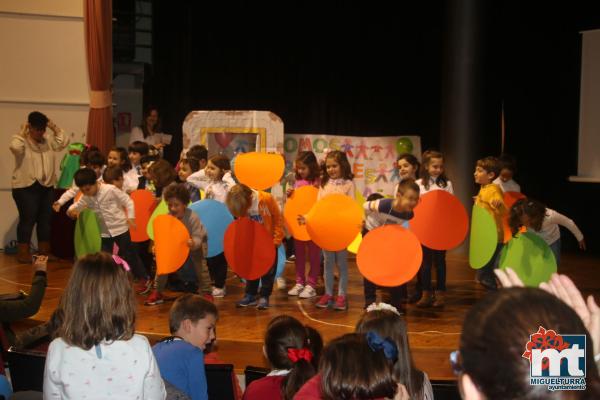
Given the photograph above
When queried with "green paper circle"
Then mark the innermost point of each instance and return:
(87, 234)
(530, 257)
(483, 239)
(161, 209)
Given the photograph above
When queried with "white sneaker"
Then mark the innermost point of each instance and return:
(308, 292)
(216, 292)
(296, 290)
(281, 283)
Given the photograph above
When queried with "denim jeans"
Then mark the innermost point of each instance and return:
(331, 257)
(34, 204)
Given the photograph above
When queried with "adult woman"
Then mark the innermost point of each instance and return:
(33, 180)
(149, 130)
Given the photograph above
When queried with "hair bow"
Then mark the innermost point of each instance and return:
(376, 343)
(118, 259)
(299, 354)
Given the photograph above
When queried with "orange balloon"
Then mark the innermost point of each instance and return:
(170, 244)
(144, 204)
(441, 221)
(334, 222)
(389, 255)
(249, 248)
(510, 198)
(300, 203)
(260, 171)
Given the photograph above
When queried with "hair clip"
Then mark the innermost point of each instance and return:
(299, 354)
(382, 306)
(376, 343)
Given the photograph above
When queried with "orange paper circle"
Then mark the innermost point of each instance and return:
(334, 222)
(260, 171)
(300, 203)
(441, 221)
(389, 256)
(510, 198)
(249, 248)
(144, 204)
(170, 244)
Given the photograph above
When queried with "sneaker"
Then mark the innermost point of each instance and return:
(281, 283)
(340, 303)
(291, 259)
(325, 301)
(155, 298)
(218, 292)
(415, 297)
(308, 292)
(248, 300)
(209, 297)
(296, 290)
(263, 303)
(144, 286)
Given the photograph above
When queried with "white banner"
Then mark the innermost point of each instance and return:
(373, 159)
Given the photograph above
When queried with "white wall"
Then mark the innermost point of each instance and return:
(43, 68)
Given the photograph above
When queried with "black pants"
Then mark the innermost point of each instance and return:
(126, 252)
(266, 282)
(397, 293)
(34, 204)
(217, 268)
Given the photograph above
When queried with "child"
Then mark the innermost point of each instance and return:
(95, 161)
(145, 181)
(162, 174)
(96, 353)
(117, 157)
(293, 351)
(337, 179)
(262, 207)
(408, 168)
(386, 321)
(355, 366)
(136, 151)
(199, 178)
(114, 210)
(187, 166)
(306, 173)
(113, 176)
(544, 222)
(390, 211)
(180, 357)
(508, 168)
(177, 198)
(199, 152)
(433, 178)
(490, 197)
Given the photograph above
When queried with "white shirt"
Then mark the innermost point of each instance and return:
(434, 186)
(550, 231)
(130, 180)
(108, 204)
(138, 135)
(508, 186)
(215, 190)
(123, 369)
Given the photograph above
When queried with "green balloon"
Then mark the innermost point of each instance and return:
(161, 209)
(404, 145)
(530, 257)
(87, 234)
(483, 239)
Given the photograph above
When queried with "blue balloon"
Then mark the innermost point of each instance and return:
(216, 218)
(280, 260)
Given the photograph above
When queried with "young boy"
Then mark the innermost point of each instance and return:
(508, 168)
(109, 204)
(381, 212)
(177, 198)
(114, 176)
(180, 357)
(490, 197)
(262, 207)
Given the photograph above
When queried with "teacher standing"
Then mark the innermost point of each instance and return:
(33, 180)
(149, 130)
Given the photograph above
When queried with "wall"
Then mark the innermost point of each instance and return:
(42, 68)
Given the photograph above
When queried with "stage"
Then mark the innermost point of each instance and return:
(433, 333)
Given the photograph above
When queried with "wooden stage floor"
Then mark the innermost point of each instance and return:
(433, 333)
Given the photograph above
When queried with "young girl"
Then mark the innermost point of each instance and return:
(113, 176)
(508, 169)
(544, 222)
(337, 179)
(433, 178)
(118, 157)
(408, 168)
(259, 206)
(306, 173)
(355, 366)
(390, 211)
(293, 350)
(96, 353)
(187, 166)
(177, 198)
(137, 150)
(387, 322)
